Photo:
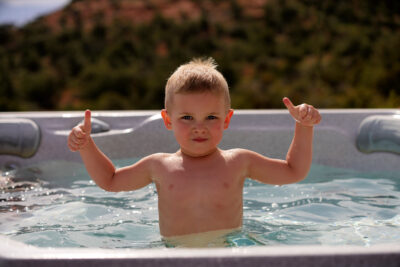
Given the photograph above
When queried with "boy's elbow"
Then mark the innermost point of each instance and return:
(108, 184)
(108, 188)
(300, 177)
(297, 174)
(292, 179)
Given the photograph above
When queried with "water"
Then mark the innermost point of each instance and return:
(42, 206)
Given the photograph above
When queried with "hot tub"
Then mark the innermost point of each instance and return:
(347, 141)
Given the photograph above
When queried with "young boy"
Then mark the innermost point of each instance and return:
(199, 186)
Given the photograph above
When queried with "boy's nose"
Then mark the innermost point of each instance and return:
(199, 128)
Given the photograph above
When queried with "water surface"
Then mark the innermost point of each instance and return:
(46, 206)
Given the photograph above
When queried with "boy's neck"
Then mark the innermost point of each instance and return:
(204, 156)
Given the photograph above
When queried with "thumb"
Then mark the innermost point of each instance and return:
(87, 124)
(289, 105)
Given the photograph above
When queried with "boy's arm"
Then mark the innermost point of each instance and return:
(100, 167)
(299, 157)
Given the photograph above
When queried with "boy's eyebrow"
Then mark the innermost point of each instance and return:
(189, 113)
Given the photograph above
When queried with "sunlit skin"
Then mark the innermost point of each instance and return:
(200, 186)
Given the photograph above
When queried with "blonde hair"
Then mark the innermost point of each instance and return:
(199, 75)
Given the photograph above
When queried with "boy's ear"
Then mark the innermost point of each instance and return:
(166, 119)
(228, 119)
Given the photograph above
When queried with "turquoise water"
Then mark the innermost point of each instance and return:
(43, 206)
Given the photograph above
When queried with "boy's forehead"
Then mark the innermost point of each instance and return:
(183, 98)
(188, 101)
(214, 94)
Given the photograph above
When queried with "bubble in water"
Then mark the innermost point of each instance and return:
(274, 205)
(281, 237)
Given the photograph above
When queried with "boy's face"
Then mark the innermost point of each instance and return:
(198, 121)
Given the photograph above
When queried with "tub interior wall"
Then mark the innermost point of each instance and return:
(137, 134)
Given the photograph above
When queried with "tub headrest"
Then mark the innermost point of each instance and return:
(20, 137)
(380, 133)
(98, 126)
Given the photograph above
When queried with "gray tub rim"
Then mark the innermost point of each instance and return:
(18, 254)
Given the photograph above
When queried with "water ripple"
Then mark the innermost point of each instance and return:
(332, 208)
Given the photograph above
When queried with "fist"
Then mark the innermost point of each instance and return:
(304, 114)
(79, 136)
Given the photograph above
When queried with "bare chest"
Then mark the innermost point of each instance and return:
(199, 186)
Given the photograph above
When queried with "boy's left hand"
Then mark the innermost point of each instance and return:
(304, 114)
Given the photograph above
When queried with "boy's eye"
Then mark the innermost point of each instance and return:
(211, 117)
(187, 117)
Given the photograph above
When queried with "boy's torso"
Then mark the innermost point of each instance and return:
(199, 195)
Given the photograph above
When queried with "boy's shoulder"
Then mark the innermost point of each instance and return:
(242, 156)
(158, 161)
(159, 157)
(236, 153)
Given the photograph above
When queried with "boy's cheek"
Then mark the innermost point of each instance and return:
(181, 128)
(218, 126)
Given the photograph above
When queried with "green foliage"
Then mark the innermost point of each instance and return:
(332, 54)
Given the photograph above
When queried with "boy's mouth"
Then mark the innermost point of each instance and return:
(199, 139)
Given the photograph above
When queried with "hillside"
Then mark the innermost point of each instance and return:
(117, 54)
(89, 12)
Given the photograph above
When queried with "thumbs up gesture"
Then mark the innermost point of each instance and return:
(79, 136)
(304, 114)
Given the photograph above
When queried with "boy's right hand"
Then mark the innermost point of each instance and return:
(79, 136)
